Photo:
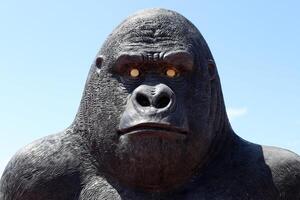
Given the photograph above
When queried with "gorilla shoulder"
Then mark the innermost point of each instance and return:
(44, 169)
(285, 169)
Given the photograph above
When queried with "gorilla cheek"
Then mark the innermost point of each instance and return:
(104, 116)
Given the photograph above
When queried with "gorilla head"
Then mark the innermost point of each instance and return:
(152, 109)
(151, 125)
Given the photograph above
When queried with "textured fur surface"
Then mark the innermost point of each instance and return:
(151, 137)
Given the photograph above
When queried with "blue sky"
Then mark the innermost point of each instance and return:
(46, 49)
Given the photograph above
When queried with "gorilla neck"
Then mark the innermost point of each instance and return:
(221, 146)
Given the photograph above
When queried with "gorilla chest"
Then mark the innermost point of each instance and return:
(231, 192)
(223, 190)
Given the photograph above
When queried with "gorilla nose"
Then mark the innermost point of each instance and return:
(160, 102)
(159, 96)
(142, 100)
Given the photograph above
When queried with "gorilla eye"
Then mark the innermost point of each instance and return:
(171, 72)
(134, 72)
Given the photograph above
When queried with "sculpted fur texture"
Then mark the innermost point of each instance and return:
(151, 124)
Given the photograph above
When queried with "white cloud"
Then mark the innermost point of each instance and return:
(234, 113)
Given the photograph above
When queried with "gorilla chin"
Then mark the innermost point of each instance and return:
(152, 154)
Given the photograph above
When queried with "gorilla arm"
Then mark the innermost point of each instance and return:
(285, 169)
(45, 169)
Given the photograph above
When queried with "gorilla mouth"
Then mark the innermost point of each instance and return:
(154, 129)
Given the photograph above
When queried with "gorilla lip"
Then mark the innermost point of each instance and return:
(153, 129)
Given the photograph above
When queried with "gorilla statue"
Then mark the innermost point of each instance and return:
(151, 125)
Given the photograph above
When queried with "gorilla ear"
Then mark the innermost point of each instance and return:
(212, 69)
(99, 61)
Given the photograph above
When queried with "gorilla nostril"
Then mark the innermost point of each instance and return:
(162, 102)
(142, 100)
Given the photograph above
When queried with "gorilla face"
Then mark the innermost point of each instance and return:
(155, 137)
(146, 110)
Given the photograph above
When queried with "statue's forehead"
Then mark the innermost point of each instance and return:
(154, 31)
(153, 40)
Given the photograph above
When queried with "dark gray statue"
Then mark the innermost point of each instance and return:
(151, 125)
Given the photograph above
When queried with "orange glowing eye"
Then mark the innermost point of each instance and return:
(171, 73)
(134, 72)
